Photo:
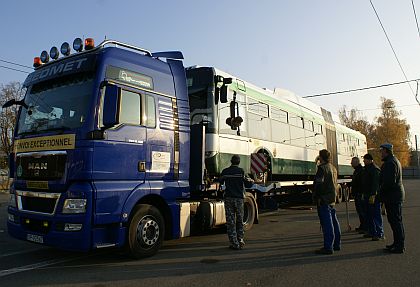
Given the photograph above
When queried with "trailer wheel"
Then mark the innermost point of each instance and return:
(346, 194)
(339, 194)
(249, 211)
(146, 231)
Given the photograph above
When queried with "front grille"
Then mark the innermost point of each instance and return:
(41, 165)
(40, 202)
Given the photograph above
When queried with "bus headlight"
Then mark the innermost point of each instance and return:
(74, 205)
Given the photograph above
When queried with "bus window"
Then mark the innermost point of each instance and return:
(278, 115)
(257, 108)
(296, 121)
(309, 125)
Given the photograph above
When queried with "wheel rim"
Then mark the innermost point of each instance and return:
(147, 232)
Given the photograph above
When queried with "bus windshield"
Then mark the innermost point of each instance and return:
(57, 104)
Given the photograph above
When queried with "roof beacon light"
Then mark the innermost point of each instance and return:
(37, 62)
(89, 44)
(44, 57)
(78, 44)
(54, 53)
(65, 49)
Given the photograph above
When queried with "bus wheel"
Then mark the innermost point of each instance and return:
(250, 211)
(146, 231)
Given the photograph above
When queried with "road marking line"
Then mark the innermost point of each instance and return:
(37, 265)
(19, 252)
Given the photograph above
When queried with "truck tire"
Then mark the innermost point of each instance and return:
(250, 211)
(145, 232)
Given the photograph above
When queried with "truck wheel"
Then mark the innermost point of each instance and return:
(249, 212)
(146, 231)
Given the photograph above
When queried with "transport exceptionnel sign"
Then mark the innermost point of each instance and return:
(59, 142)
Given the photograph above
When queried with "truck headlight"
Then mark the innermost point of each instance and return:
(74, 205)
(12, 200)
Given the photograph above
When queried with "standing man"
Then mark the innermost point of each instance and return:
(356, 190)
(235, 181)
(325, 186)
(392, 194)
(371, 188)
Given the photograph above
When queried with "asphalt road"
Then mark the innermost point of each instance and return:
(279, 252)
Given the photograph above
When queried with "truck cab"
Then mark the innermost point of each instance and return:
(101, 149)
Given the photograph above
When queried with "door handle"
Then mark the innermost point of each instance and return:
(141, 166)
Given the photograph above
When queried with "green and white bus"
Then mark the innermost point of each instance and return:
(287, 129)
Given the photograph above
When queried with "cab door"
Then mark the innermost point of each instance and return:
(119, 160)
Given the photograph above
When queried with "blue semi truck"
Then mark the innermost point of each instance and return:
(105, 155)
(116, 146)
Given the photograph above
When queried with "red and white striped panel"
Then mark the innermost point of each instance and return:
(258, 163)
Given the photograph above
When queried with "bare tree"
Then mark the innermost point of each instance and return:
(8, 116)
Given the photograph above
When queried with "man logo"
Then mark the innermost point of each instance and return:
(37, 166)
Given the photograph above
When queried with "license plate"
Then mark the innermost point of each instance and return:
(35, 238)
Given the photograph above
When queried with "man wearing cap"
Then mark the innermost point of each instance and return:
(325, 187)
(371, 187)
(392, 194)
(234, 179)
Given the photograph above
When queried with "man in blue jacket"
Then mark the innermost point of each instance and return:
(325, 188)
(234, 179)
(392, 194)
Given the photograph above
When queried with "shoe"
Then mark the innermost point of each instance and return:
(374, 238)
(324, 251)
(337, 248)
(241, 243)
(234, 247)
(358, 229)
(389, 246)
(361, 231)
(397, 250)
(367, 236)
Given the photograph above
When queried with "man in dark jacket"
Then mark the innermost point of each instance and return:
(392, 194)
(370, 192)
(234, 179)
(325, 186)
(357, 192)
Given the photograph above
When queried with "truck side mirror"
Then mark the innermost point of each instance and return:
(9, 103)
(224, 94)
(110, 109)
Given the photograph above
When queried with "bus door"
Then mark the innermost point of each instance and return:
(331, 137)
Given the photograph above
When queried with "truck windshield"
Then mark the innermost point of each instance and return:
(57, 104)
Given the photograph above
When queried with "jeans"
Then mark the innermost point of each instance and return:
(394, 214)
(361, 209)
(234, 208)
(375, 222)
(330, 226)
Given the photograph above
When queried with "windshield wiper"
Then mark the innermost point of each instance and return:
(61, 129)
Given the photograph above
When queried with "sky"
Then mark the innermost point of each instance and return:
(305, 46)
